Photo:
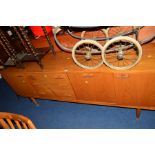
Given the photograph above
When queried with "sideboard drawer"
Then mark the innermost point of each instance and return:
(51, 85)
(20, 84)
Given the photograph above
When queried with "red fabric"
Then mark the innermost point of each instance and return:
(37, 30)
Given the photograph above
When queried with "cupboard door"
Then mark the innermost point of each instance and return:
(60, 85)
(148, 89)
(93, 86)
(20, 84)
(127, 88)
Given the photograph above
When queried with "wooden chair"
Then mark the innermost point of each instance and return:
(15, 121)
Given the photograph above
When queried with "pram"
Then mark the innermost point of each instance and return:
(118, 47)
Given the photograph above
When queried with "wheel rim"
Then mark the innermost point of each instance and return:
(66, 46)
(87, 54)
(122, 53)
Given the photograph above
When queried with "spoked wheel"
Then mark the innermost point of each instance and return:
(87, 54)
(59, 34)
(122, 53)
(95, 34)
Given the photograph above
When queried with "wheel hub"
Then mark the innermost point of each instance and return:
(120, 55)
(88, 55)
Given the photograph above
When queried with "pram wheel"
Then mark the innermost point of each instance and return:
(87, 54)
(121, 53)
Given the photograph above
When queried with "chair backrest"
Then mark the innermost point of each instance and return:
(15, 121)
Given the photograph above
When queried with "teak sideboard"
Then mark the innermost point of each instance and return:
(62, 80)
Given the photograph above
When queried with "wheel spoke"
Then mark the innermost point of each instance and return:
(133, 60)
(96, 58)
(113, 61)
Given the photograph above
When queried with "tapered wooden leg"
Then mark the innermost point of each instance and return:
(1, 67)
(138, 113)
(17, 96)
(34, 101)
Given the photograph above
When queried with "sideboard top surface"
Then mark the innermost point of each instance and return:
(63, 62)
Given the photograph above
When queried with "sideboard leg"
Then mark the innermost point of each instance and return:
(34, 101)
(138, 113)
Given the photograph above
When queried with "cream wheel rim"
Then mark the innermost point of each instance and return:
(130, 57)
(90, 57)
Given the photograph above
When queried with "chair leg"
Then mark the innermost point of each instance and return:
(138, 111)
(34, 101)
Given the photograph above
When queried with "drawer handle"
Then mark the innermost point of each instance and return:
(122, 76)
(59, 78)
(88, 75)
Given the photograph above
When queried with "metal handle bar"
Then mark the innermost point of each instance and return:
(134, 31)
(110, 50)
